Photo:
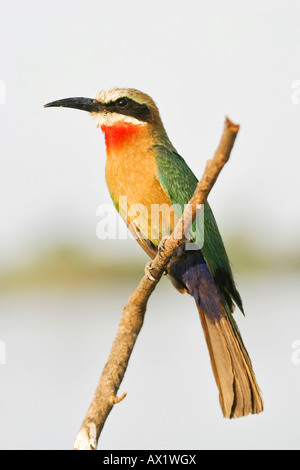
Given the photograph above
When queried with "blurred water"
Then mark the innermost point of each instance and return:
(57, 343)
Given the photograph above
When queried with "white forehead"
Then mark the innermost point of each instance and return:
(105, 96)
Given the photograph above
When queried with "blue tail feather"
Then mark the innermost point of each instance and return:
(191, 270)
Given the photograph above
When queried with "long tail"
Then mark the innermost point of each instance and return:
(239, 393)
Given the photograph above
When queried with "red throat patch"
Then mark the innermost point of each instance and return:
(120, 133)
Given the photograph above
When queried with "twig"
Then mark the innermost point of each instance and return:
(133, 314)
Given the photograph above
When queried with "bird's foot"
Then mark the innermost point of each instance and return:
(148, 268)
(161, 246)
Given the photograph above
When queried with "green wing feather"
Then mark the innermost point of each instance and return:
(179, 183)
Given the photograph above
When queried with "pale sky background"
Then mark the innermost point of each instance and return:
(199, 60)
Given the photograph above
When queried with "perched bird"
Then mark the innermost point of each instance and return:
(143, 166)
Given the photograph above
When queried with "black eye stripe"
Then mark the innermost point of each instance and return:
(129, 107)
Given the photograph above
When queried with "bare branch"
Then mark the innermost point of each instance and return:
(133, 314)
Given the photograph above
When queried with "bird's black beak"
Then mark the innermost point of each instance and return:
(86, 104)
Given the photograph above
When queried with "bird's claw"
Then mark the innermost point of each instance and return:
(148, 268)
(161, 246)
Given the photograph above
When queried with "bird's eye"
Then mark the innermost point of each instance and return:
(122, 103)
